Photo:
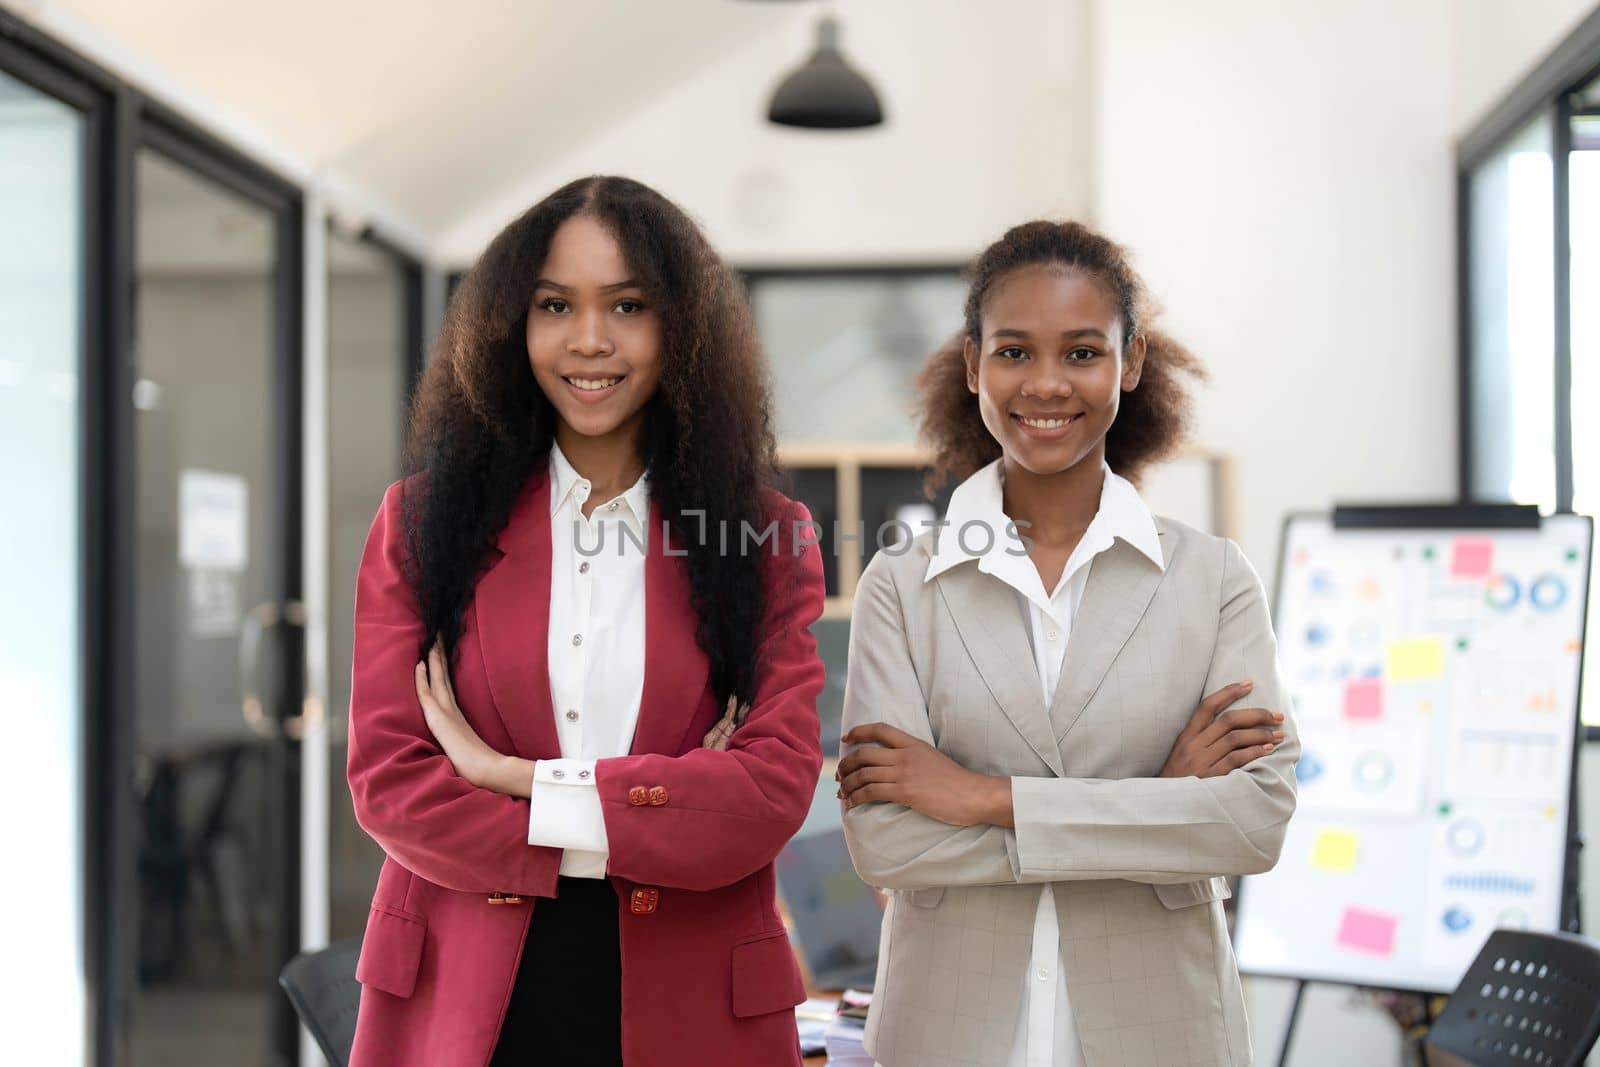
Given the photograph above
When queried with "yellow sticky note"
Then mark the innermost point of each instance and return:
(1417, 659)
(1335, 850)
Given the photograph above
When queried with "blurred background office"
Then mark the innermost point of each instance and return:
(228, 233)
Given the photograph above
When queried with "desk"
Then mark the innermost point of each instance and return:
(820, 1058)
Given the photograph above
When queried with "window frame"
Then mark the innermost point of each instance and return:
(1547, 93)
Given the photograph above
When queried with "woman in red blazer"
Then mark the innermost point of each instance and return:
(579, 843)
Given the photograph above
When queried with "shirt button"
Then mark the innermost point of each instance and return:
(1043, 974)
(613, 505)
(558, 774)
(572, 716)
(1051, 635)
(577, 639)
(583, 568)
(583, 774)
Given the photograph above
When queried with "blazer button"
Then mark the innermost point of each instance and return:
(645, 899)
(504, 898)
(638, 795)
(658, 795)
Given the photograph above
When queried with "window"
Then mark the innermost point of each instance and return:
(845, 347)
(42, 208)
(1529, 185)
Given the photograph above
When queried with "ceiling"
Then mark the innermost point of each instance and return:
(428, 108)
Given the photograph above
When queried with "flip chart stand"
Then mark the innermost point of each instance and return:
(1454, 517)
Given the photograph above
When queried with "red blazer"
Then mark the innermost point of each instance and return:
(708, 976)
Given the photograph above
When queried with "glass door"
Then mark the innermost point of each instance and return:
(216, 641)
(374, 341)
(43, 149)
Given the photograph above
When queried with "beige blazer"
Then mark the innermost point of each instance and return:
(1137, 862)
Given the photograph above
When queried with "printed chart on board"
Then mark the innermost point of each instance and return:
(1435, 682)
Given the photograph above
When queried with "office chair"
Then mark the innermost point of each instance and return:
(1528, 998)
(322, 987)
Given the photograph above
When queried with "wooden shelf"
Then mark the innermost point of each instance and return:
(846, 462)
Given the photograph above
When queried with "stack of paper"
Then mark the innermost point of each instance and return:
(813, 1019)
(848, 1030)
(844, 1043)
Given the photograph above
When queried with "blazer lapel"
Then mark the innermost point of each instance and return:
(991, 627)
(511, 606)
(1121, 583)
(676, 672)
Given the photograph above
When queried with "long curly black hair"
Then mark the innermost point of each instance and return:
(1153, 421)
(480, 426)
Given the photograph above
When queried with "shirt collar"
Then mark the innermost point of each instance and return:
(1122, 515)
(565, 484)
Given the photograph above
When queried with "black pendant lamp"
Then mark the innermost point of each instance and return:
(826, 93)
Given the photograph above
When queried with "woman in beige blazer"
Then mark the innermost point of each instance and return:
(1046, 756)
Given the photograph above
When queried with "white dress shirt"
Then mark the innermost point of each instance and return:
(1046, 1035)
(596, 660)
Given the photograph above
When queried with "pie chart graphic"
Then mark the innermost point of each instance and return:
(1464, 837)
(1503, 592)
(1373, 772)
(1548, 592)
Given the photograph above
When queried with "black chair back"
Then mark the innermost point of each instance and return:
(322, 987)
(1528, 998)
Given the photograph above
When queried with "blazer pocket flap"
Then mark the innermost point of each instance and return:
(927, 898)
(765, 976)
(1187, 894)
(391, 950)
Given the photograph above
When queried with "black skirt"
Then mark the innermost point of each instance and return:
(566, 1005)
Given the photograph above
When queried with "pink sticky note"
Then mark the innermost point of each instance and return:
(1363, 698)
(1368, 931)
(1471, 557)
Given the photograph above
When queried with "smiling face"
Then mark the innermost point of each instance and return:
(1050, 368)
(593, 339)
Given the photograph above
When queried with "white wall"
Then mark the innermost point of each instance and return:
(988, 124)
(1294, 217)
(1282, 170)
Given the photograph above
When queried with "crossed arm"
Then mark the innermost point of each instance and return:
(451, 809)
(916, 819)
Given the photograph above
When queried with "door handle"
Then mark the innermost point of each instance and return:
(258, 622)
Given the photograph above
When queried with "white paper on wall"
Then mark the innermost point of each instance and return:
(213, 521)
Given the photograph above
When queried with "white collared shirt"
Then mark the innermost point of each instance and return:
(596, 659)
(1046, 1035)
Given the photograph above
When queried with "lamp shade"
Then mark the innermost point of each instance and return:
(826, 92)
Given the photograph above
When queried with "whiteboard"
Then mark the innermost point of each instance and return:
(1434, 676)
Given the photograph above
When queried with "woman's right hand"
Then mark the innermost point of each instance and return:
(717, 737)
(1212, 744)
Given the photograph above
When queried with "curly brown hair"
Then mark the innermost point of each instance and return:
(1152, 422)
(480, 425)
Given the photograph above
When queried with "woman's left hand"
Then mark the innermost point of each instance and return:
(472, 758)
(906, 770)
